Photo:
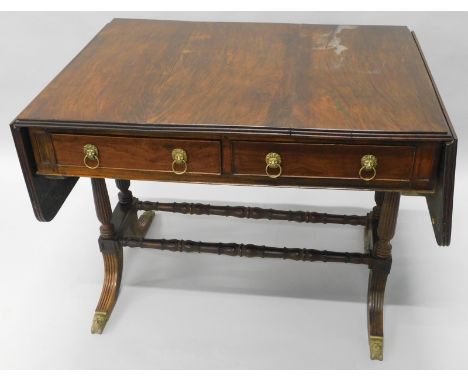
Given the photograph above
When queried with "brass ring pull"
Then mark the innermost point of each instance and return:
(368, 163)
(273, 161)
(91, 154)
(179, 157)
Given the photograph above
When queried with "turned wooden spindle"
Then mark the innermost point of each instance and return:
(125, 195)
(252, 213)
(139, 225)
(246, 250)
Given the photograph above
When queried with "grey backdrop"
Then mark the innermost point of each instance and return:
(188, 311)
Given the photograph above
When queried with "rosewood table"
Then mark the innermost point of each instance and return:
(324, 106)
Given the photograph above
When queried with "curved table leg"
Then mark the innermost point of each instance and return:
(113, 264)
(375, 303)
(112, 254)
(385, 215)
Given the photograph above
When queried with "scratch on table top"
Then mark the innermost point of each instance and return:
(333, 40)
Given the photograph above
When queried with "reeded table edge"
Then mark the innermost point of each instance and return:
(258, 130)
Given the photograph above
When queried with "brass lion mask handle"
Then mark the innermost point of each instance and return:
(179, 159)
(91, 158)
(273, 161)
(368, 167)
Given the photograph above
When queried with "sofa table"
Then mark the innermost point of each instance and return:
(318, 106)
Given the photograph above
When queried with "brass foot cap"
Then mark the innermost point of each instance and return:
(376, 347)
(99, 322)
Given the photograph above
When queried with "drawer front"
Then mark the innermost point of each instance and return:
(400, 166)
(340, 161)
(139, 153)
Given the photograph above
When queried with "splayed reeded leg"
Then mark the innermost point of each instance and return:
(384, 217)
(112, 254)
(113, 262)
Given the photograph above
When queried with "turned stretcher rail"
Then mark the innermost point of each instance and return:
(246, 250)
(252, 213)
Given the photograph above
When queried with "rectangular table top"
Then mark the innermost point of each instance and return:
(287, 87)
(289, 77)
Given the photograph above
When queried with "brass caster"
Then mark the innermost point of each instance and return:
(99, 322)
(376, 348)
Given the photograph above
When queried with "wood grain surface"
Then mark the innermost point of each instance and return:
(152, 154)
(323, 160)
(285, 76)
